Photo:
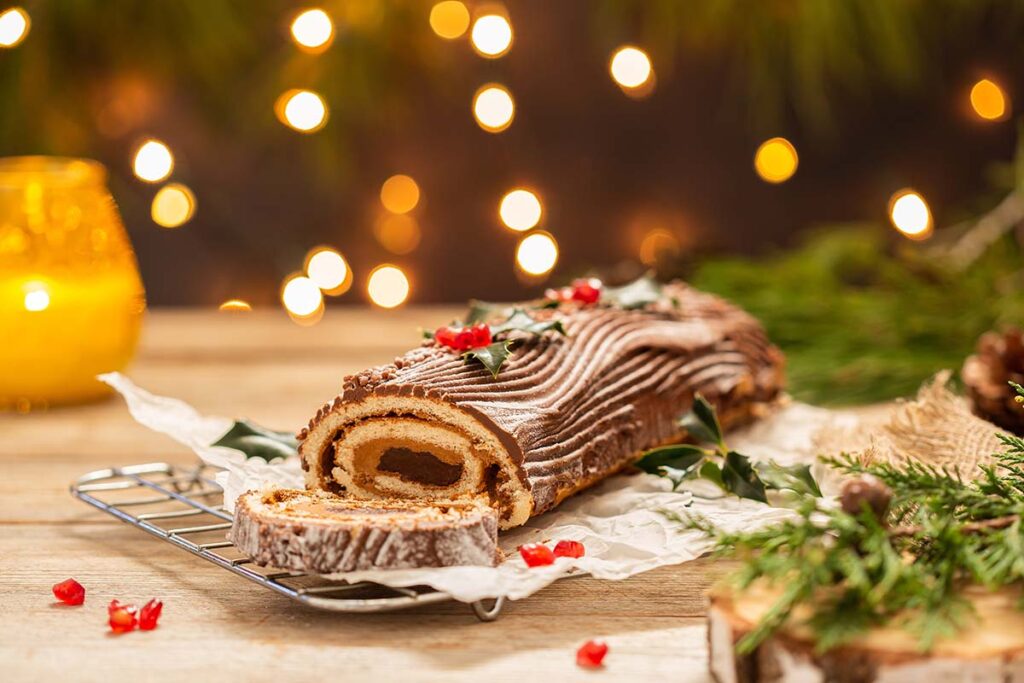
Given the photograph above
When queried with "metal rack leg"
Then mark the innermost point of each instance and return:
(491, 613)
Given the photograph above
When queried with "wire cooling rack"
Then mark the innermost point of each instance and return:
(181, 505)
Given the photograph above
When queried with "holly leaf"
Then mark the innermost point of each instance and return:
(702, 422)
(675, 463)
(793, 477)
(258, 442)
(713, 473)
(637, 294)
(521, 321)
(492, 356)
(739, 477)
(482, 311)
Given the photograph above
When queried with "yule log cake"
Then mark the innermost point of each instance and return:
(536, 402)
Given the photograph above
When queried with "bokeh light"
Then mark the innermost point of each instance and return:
(398, 233)
(449, 19)
(302, 110)
(235, 306)
(14, 24)
(387, 286)
(493, 108)
(631, 67)
(520, 210)
(537, 253)
(300, 296)
(492, 35)
(37, 297)
(329, 270)
(399, 194)
(910, 214)
(658, 245)
(776, 160)
(173, 205)
(313, 30)
(989, 100)
(153, 161)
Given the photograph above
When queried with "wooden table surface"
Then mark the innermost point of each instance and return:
(262, 366)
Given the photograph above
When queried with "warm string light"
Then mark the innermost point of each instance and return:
(776, 160)
(537, 253)
(989, 100)
(301, 110)
(302, 299)
(173, 206)
(14, 25)
(328, 270)
(520, 210)
(399, 194)
(37, 297)
(657, 245)
(387, 286)
(493, 108)
(153, 161)
(631, 68)
(399, 233)
(235, 306)
(491, 35)
(313, 30)
(449, 19)
(910, 214)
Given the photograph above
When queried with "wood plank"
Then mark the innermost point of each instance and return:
(215, 620)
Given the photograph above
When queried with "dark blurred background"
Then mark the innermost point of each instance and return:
(873, 95)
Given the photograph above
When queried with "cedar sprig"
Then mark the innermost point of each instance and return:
(844, 571)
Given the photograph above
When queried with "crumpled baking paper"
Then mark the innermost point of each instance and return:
(621, 522)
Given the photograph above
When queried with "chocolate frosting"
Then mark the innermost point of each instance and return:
(570, 410)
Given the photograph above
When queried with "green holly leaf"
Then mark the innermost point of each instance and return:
(713, 473)
(521, 321)
(637, 294)
(258, 442)
(676, 456)
(702, 422)
(676, 462)
(792, 477)
(492, 356)
(740, 478)
(482, 311)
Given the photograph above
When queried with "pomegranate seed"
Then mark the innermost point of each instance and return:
(536, 554)
(586, 291)
(569, 549)
(445, 336)
(481, 335)
(149, 614)
(122, 617)
(70, 592)
(591, 654)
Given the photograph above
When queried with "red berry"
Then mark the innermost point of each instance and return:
(122, 617)
(591, 654)
(149, 614)
(536, 554)
(481, 335)
(445, 336)
(569, 549)
(70, 592)
(586, 291)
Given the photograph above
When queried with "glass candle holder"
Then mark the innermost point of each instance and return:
(71, 299)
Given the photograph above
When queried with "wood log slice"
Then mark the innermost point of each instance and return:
(989, 648)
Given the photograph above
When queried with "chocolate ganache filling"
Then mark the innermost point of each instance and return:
(419, 466)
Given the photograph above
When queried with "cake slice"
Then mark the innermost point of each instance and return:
(322, 533)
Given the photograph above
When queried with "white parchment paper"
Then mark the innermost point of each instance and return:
(620, 522)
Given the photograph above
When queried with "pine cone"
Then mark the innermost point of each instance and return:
(999, 359)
